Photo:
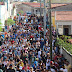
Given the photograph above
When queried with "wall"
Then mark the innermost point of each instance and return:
(61, 1)
(23, 7)
(10, 7)
(2, 14)
(66, 54)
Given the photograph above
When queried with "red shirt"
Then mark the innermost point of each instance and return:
(27, 68)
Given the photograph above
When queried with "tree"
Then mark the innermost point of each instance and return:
(2, 0)
(10, 22)
(21, 12)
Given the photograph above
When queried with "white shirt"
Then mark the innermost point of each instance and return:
(10, 27)
(48, 63)
(31, 21)
(5, 63)
(39, 53)
(52, 70)
(48, 48)
(64, 70)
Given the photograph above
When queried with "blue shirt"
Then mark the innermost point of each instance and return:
(36, 63)
(3, 35)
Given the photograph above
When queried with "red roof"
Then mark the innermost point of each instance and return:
(57, 5)
(33, 4)
(42, 5)
(1, 3)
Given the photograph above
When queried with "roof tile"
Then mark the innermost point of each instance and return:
(33, 4)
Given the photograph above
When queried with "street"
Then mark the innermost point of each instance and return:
(24, 48)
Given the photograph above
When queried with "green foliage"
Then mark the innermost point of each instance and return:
(0, 26)
(64, 43)
(10, 22)
(0, 23)
(21, 12)
(65, 38)
(3, 0)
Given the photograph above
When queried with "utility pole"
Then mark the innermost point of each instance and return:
(57, 29)
(40, 8)
(44, 19)
(50, 29)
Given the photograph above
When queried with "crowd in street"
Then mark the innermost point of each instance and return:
(24, 48)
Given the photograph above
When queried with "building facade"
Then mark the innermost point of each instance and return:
(6, 10)
(34, 8)
(63, 21)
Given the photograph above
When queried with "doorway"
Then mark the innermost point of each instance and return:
(66, 31)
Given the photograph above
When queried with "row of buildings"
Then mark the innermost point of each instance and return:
(61, 13)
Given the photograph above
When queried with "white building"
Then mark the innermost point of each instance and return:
(3, 13)
(6, 10)
(62, 17)
(63, 21)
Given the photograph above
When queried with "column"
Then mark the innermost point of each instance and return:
(35, 11)
(71, 29)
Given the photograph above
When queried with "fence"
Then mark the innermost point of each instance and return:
(66, 54)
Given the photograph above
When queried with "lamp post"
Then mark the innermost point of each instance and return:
(57, 29)
(40, 8)
(50, 29)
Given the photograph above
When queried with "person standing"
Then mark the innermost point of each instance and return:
(48, 63)
(10, 69)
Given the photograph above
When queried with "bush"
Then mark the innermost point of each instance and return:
(10, 22)
(63, 43)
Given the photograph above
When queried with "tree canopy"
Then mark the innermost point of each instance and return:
(10, 22)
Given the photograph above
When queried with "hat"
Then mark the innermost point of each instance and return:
(36, 58)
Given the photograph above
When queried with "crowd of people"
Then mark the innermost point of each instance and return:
(24, 48)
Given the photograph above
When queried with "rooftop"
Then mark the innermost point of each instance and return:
(62, 7)
(57, 5)
(33, 4)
